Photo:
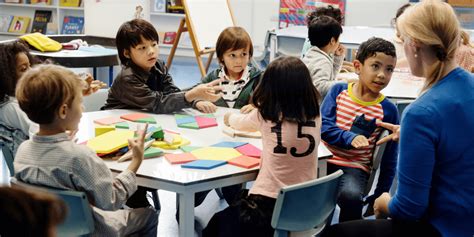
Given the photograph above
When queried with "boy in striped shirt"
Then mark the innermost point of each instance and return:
(352, 144)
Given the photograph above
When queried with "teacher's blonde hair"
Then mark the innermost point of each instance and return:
(432, 23)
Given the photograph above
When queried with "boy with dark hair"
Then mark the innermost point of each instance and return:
(350, 113)
(325, 58)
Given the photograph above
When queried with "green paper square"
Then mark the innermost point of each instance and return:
(123, 125)
(152, 152)
(189, 148)
(146, 120)
(189, 125)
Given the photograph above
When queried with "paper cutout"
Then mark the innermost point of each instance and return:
(229, 144)
(123, 125)
(99, 130)
(244, 162)
(250, 150)
(189, 148)
(180, 158)
(173, 146)
(110, 141)
(237, 133)
(215, 153)
(204, 164)
(134, 116)
(108, 120)
(195, 122)
(146, 120)
(152, 152)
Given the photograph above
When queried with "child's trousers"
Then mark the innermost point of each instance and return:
(351, 191)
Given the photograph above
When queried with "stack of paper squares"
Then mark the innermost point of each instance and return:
(195, 122)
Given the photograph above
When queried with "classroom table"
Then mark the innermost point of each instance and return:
(159, 174)
(289, 41)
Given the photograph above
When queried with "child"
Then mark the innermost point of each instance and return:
(321, 11)
(324, 32)
(144, 82)
(50, 95)
(287, 115)
(15, 127)
(465, 53)
(239, 78)
(352, 152)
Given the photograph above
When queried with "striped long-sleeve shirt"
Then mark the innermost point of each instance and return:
(338, 110)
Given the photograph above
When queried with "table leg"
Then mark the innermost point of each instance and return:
(186, 214)
(111, 75)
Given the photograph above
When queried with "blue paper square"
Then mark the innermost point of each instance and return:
(229, 144)
(184, 120)
(204, 164)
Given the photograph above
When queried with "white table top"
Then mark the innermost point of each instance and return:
(351, 35)
(158, 168)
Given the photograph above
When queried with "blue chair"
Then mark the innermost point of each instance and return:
(306, 206)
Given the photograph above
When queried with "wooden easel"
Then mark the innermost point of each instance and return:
(186, 24)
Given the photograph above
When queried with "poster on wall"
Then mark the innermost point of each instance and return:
(293, 12)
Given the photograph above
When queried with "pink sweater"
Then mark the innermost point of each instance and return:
(294, 161)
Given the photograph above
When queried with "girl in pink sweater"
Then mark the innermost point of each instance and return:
(288, 117)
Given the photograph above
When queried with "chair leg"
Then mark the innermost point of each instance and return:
(156, 200)
(280, 233)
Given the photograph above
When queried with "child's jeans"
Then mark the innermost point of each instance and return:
(351, 191)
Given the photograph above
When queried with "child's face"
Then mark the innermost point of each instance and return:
(74, 112)
(235, 61)
(22, 64)
(144, 54)
(375, 73)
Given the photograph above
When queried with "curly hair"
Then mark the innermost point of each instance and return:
(375, 45)
(8, 65)
(326, 11)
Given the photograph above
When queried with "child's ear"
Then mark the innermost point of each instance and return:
(126, 53)
(357, 66)
(62, 113)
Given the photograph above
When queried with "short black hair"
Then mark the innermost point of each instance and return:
(286, 92)
(130, 35)
(375, 45)
(322, 29)
(326, 11)
(8, 61)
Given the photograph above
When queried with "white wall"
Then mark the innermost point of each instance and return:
(371, 12)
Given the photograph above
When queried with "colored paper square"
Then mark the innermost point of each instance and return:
(215, 153)
(108, 120)
(146, 120)
(204, 122)
(204, 164)
(244, 162)
(189, 148)
(183, 120)
(229, 144)
(110, 141)
(180, 158)
(207, 116)
(189, 125)
(99, 130)
(123, 125)
(179, 116)
(134, 116)
(152, 152)
(249, 150)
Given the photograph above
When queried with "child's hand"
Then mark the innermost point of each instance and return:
(209, 92)
(91, 85)
(136, 145)
(247, 109)
(381, 206)
(226, 118)
(360, 141)
(340, 51)
(206, 107)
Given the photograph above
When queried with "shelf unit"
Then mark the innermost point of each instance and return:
(28, 10)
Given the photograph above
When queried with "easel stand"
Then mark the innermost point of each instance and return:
(197, 52)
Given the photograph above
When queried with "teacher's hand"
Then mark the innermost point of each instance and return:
(395, 129)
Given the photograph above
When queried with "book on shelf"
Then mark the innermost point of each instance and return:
(52, 28)
(5, 21)
(159, 6)
(19, 24)
(13, 1)
(41, 2)
(40, 21)
(73, 25)
(70, 3)
(169, 38)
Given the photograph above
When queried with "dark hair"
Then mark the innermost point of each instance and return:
(44, 88)
(233, 38)
(130, 35)
(375, 45)
(8, 61)
(322, 29)
(400, 12)
(325, 11)
(286, 92)
(29, 213)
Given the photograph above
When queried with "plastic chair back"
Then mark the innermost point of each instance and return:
(306, 206)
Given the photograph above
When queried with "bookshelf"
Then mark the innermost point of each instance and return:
(28, 10)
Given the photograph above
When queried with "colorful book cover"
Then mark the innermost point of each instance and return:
(73, 25)
(40, 21)
(69, 3)
(169, 38)
(19, 24)
(43, 2)
(294, 12)
(5, 21)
